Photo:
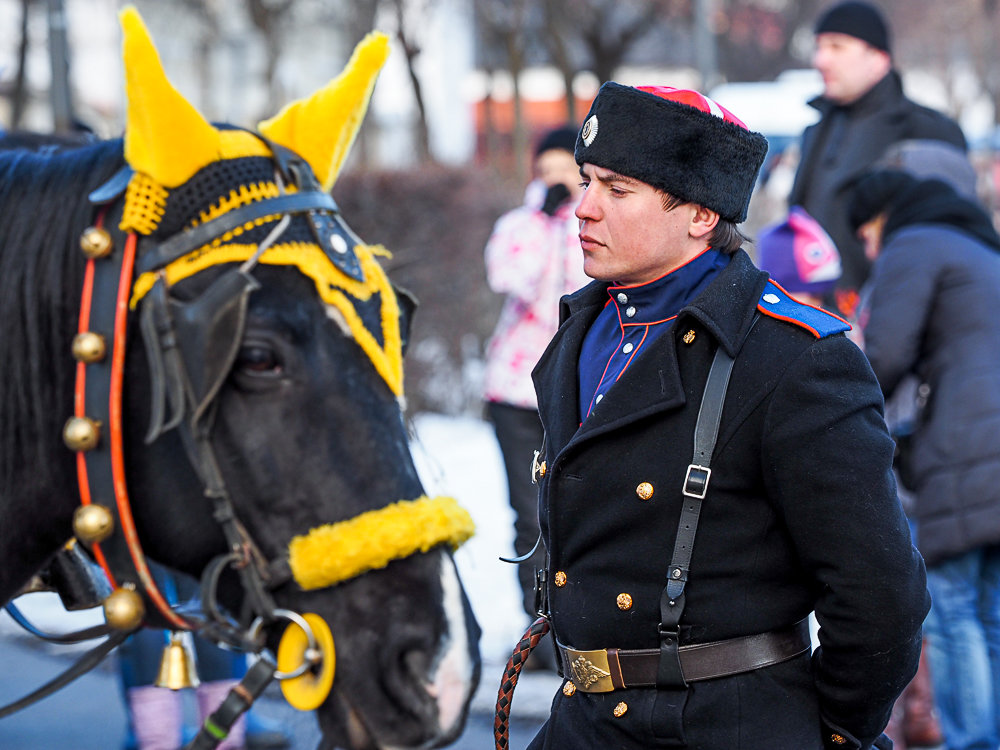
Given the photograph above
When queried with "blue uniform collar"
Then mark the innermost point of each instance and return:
(635, 317)
(661, 299)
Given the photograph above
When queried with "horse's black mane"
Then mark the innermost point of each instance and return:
(43, 209)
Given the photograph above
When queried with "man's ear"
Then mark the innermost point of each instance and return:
(703, 222)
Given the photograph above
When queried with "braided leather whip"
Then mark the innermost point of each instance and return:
(501, 720)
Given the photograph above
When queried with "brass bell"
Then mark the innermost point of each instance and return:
(89, 347)
(81, 433)
(123, 609)
(95, 242)
(177, 665)
(92, 523)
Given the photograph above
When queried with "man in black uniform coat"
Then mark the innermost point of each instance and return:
(862, 112)
(799, 511)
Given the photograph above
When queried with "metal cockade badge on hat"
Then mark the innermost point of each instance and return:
(589, 131)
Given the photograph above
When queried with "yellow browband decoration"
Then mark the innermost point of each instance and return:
(337, 552)
(334, 287)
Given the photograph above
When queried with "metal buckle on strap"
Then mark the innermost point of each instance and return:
(696, 481)
(589, 669)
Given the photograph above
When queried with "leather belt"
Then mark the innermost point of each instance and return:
(607, 669)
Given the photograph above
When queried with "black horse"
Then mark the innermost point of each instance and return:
(260, 408)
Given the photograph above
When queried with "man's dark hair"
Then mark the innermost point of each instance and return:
(726, 237)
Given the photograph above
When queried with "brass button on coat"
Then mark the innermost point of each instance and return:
(644, 490)
(688, 337)
(620, 710)
(569, 688)
(560, 578)
(624, 601)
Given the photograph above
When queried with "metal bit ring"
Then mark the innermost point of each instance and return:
(313, 655)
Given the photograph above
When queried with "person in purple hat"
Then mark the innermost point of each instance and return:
(715, 467)
(800, 256)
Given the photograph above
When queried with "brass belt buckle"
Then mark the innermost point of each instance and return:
(589, 670)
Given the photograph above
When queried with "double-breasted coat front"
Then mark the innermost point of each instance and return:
(801, 515)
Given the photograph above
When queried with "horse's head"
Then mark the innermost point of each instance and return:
(264, 432)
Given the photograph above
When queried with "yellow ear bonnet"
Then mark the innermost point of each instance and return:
(322, 127)
(167, 143)
(166, 138)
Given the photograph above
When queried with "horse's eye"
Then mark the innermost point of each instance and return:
(257, 359)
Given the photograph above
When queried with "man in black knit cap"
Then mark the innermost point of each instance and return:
(863, 112)
(715, 467)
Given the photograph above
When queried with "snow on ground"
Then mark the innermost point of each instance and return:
(460, 457)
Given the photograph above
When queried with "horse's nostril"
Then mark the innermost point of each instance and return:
(417, 663)
(406, 676)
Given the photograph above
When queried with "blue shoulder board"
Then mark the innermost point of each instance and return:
(777, 303)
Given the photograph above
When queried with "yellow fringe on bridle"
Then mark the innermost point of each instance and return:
(338, 552)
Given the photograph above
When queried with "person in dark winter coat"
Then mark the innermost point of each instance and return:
(932, 311)
(863, 111)
(680, 574)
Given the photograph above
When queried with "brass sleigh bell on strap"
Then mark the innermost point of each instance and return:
(123, 609)
(177, 668)
(93, 523)
(95, 242)
(81, 433)
(89, 347)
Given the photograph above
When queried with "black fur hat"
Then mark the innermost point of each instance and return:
(676, 140)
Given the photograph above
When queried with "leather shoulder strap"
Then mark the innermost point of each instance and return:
(695, 487)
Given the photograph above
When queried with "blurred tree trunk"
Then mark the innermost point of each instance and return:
(491, 136)
(19, 94)
(610, 28)
(60, 94)
(358, 20)
(267, 16)
(557, 21)
(408, 18)
(504, 24)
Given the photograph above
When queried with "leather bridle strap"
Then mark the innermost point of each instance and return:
(191, 239)
(98, 397)
(84, 634)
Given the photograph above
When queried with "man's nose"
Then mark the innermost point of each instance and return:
(587, 207)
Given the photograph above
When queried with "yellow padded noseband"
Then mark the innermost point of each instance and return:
(338, 552)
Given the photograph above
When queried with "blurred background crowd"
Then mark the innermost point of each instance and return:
(470, 88)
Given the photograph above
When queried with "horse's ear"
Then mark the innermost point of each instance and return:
(322, 127)
(166, 138)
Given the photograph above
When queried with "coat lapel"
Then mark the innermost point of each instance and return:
(555, 375)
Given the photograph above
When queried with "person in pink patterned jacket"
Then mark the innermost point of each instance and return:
(533, 257)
